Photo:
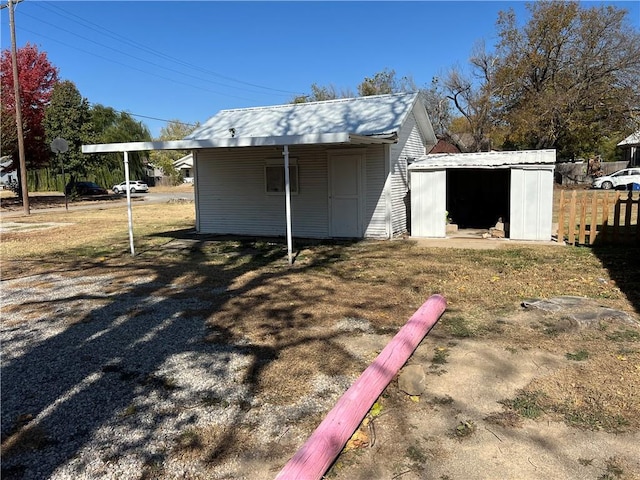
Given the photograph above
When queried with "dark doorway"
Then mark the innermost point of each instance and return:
(478, 197)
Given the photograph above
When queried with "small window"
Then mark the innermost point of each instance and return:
(275, 178)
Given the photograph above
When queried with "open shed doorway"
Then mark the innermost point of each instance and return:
(478, 197)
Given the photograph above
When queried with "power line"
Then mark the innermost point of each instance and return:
(100, 29)
(147, 116)
(131, 56)
(135, 68)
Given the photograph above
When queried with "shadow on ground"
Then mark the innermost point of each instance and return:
(623, 264)
(92, 354)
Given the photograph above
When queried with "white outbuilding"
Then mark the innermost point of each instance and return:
(478, 190)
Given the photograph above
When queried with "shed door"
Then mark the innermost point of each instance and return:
(345, 195)
(428, 203)
(531, 204)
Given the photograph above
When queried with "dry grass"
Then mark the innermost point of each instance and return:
(286, 314)
(94, 233)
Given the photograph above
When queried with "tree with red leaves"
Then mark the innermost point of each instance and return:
(37, 77)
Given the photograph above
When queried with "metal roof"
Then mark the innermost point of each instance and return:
(377, 115)
(633, 139)
(484, 159)
(362, 120)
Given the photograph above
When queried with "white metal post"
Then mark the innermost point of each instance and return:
(287, 194)
(129, 212)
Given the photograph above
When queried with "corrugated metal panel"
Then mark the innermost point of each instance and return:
(485, 159)
(531, 204)
(232, 198)
(428, 203)
(373, 115)
(633, 139)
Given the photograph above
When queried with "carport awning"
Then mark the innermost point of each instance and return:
(308, 139)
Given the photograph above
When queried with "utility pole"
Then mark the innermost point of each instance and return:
(18, 101)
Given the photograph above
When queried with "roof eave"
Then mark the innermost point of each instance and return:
(307, 139)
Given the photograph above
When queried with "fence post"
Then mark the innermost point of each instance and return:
(593, 228)
(605, 218)
(627, 218)
(616, 218)
(583, 219)
(572, 219)
(561, 218)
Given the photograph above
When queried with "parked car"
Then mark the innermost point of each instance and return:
(85, 188)
(135, 186)
(619, 179)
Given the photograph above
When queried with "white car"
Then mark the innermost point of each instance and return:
(621, 178)
(135, 186)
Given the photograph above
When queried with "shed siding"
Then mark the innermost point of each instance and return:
(411, 144)
(531, 204)
(232, 198)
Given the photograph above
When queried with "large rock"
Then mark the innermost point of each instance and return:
(581, 311)
(412, 380)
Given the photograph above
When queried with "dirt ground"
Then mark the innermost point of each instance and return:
(459, 429)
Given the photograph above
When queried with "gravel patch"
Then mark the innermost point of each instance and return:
(100, 383)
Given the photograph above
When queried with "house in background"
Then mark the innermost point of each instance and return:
(631, 149)
(347, 167)
(185, 166)
(153, 175)
(7, 176)
(443, 146)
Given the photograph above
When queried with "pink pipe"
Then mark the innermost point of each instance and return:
(313, 459)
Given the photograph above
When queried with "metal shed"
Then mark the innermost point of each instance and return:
(478, 189)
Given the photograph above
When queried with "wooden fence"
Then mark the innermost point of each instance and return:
(598, 217)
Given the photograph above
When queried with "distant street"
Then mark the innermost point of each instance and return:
(110, 201)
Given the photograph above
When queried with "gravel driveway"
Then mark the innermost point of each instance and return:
(102, 382)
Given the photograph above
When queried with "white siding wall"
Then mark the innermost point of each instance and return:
(231, 193)
(531, 203)
(232, 198)
(410, 144)
(375, 206)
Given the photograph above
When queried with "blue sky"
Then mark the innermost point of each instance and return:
(187, 60)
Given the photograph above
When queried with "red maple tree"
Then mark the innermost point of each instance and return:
(37, 76)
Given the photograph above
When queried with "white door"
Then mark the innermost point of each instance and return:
(531, 204)
(345, 195)
(428, 203)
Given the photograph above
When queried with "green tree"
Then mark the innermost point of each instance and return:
(320, 93)
(68, 117)
(385, 82)
(570, 79)
(164, 159)
(111, 126)
(380, 83)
